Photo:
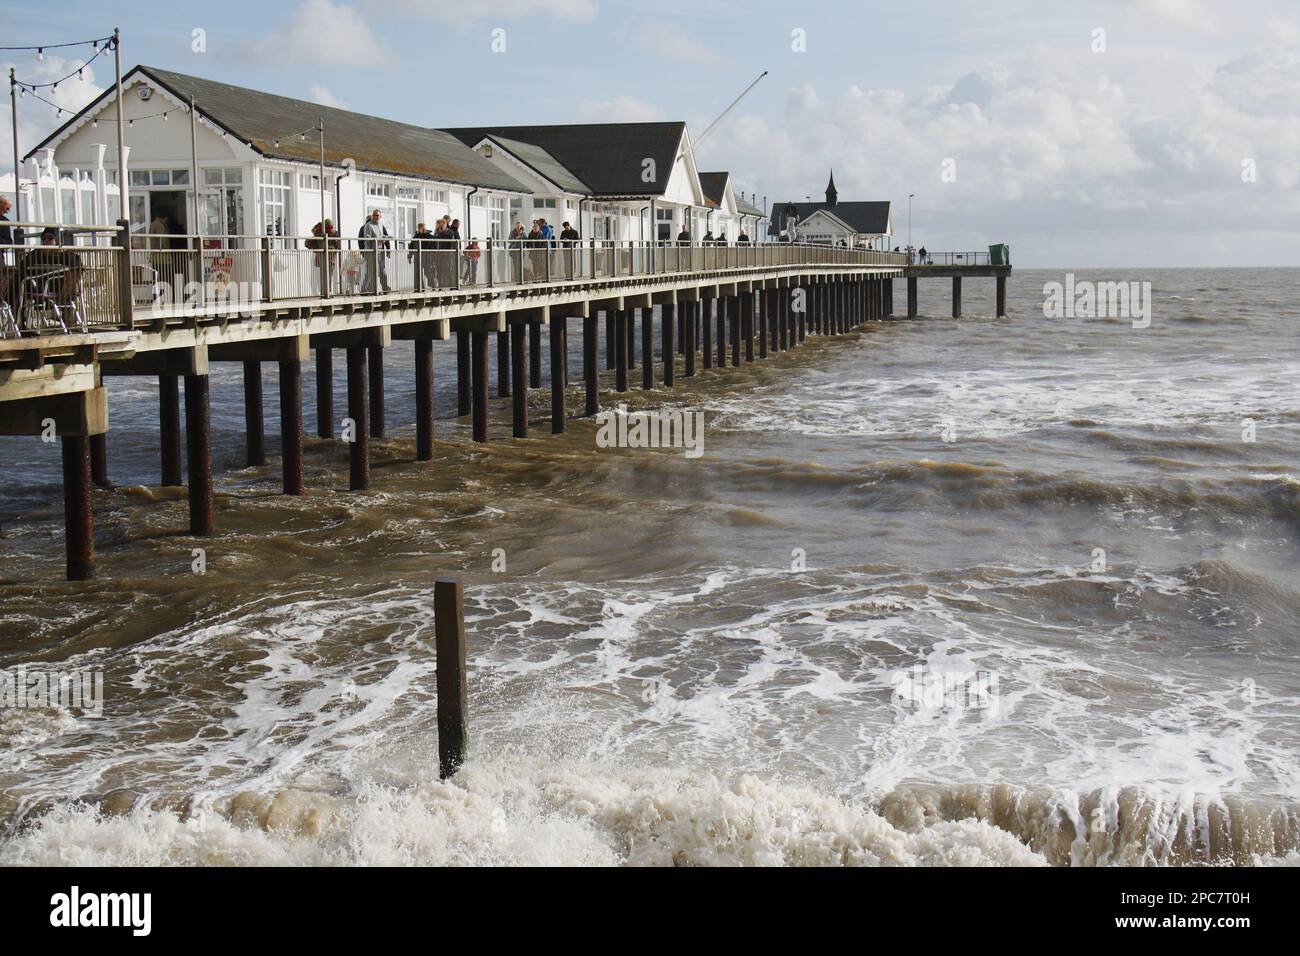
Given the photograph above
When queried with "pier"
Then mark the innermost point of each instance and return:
(715, 303)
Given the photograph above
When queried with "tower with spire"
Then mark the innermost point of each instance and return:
(831, 195)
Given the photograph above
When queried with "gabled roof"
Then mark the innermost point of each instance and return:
(715, 187)
(863, 217)
(542, 163)
(747, 208)
(377, 145)
(607, 157)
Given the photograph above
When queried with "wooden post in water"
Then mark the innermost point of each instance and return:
(764, 298)
(519, 403)
(747, 323)
(324, 392)
(479, 384)
(78, 516)
(912, 304)
(733, 317)
(691, 312)
(783, 318)
(620, 351)
(198, 447)
(99, 461)
(462, 373)
(291, 465)
(589, 376)
(449, 647)
(559, 363)
(889, 298)
(254, 430)
(706, 319)
(647, 348)
(376, 359)
(1002, 297)
(535, 353)
(503, 364)
(610, 336)
(720, 308)
(424, 411)
(631, 337)
(667, 320)
(681, 331)
(169, 427)
(359, 446)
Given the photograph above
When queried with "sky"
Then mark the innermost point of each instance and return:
(1109, 133)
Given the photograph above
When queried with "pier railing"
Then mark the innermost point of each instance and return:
(950, 259)
(175, 273)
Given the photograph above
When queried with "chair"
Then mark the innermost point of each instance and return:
(50, 297)
(8, 321)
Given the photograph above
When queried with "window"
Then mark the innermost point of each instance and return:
(231, 176)
(309, 182)
(436, 195)
(379, 189)
(539, 203)
(273, 197)
(497, 218)
(408, 192)
(139, 177)
(476, 201)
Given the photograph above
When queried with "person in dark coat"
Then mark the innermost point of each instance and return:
(422, 256)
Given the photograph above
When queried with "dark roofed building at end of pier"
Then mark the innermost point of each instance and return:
(856, 224)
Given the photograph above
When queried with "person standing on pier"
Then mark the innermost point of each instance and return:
(743, 238)
(445, 256)
(9, 236)
(375, 243)
(325, 241)
(421, 255)
(684, 237)
(569, 236)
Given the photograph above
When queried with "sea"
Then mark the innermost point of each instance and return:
(942, 591)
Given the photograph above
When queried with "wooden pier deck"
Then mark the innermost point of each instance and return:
(771, 297)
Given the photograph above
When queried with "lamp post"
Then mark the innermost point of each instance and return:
(909, 222)
(123, 207)
(13, 109)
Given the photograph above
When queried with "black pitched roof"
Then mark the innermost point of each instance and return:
(714, 186)
(868, 217)
(378, 145)
(542, 163)
(607, 157)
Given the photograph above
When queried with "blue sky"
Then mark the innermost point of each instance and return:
(1006, 119)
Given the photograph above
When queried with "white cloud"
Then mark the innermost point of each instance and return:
(1050, 144)
(621, 109)
(322, 95)
(325, 33)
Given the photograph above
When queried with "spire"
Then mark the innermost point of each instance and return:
(831, 195)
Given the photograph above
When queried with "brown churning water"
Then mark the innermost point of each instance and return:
(950, 591)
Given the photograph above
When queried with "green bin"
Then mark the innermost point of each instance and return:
(1000, 255)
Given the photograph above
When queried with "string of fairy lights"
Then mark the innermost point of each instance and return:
(99, 47)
